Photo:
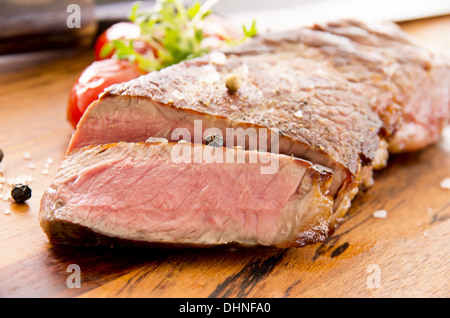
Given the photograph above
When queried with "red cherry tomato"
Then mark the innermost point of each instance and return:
(94, 79)
(121, 30)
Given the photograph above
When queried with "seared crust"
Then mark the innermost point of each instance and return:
(408, 83)
(306, 103)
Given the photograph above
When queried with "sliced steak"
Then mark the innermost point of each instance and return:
(409, 84)
(187, 194)
(318, 115)
(339, 95)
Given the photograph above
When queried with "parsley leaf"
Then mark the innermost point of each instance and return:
(172, 31)
(252, 31)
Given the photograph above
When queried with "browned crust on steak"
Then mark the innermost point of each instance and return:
(407, 82)
(336, 118)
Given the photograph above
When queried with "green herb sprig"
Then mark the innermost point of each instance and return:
(172, 30)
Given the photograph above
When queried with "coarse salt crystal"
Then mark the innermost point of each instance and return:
(298, 114)
(380, 214)
(445, 184)
(218, 58)
(28, 179)
(21, 179)
(155, 139)
(46, 166)
(31, 166)
(26, 155)
(45, 172)
(7, 212)
(49, 161)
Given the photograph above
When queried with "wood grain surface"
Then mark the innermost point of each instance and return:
(406, 254)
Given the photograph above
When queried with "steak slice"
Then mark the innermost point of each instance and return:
(187, 194)
(409, 84)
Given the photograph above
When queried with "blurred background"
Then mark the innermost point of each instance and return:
(27, 25)
(41, 25)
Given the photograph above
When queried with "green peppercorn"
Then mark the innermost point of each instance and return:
(20, 193)
(233, 82)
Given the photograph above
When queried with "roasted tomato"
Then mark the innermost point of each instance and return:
(94, 79)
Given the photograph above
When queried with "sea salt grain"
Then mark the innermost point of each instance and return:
(26, 155)
(45, 172)
(298, 114)
(155, 139)
(49, 161)
(20, 180)
(445, 184)
(31, 166)
(380, 214)
(218, 58)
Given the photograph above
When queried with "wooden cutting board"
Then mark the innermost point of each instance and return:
(406, 254)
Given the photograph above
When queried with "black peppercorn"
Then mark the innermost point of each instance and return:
(1, 155)
(214, 141)
(20, 193)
